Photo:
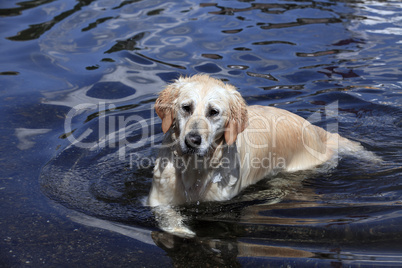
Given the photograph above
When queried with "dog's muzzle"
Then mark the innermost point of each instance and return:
(193, 141)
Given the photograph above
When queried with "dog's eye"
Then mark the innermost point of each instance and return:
(213, 112)
(186, 108)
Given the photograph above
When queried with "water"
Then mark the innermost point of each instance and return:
(79, 135)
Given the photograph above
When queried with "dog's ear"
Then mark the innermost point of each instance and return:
(237, 118)
(164, 106)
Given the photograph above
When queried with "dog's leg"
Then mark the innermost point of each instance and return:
(170, 220)
(167, 186)
(166, 191)
(163, 190)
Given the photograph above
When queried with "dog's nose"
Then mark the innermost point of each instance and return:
(193, 140)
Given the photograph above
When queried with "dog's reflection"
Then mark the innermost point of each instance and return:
(220, 235)
(226, 235)
(209, 252)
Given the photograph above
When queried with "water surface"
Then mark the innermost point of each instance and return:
(79, 134)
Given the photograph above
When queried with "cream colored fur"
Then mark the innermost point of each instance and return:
(238, 144)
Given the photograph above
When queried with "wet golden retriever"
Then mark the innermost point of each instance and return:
(215, 145)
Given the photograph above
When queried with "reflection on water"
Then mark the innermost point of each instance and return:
(79, 80)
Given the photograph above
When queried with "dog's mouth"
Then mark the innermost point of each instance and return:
(193, 151)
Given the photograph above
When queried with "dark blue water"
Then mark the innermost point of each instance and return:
(79, 135)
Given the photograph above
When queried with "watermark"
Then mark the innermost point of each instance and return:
(113, 131)
(183, 163)
(128, 132)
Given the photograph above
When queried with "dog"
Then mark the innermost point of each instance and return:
(215, 145)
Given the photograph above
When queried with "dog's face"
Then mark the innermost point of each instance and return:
(203, 110)
(201, 115)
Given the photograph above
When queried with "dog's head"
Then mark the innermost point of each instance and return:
(204, 110)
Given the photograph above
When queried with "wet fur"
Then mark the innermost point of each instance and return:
(232, 143)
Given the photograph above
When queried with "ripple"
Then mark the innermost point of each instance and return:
(212, 56)
(162, 62)
(129, 44)
(300, 22)
(180, 30)
(249, 57)
(300, 77)
(175, 54)
(321, 53)
(238, 67)
(266, 76)
(177, 40)
(9, 73)
(140, 59)
(208, 68)
(264, 43)
(232, 31)
(243, 49)
(96, 23)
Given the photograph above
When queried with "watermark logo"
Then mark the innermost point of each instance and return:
(111, 130)
(130, 131)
